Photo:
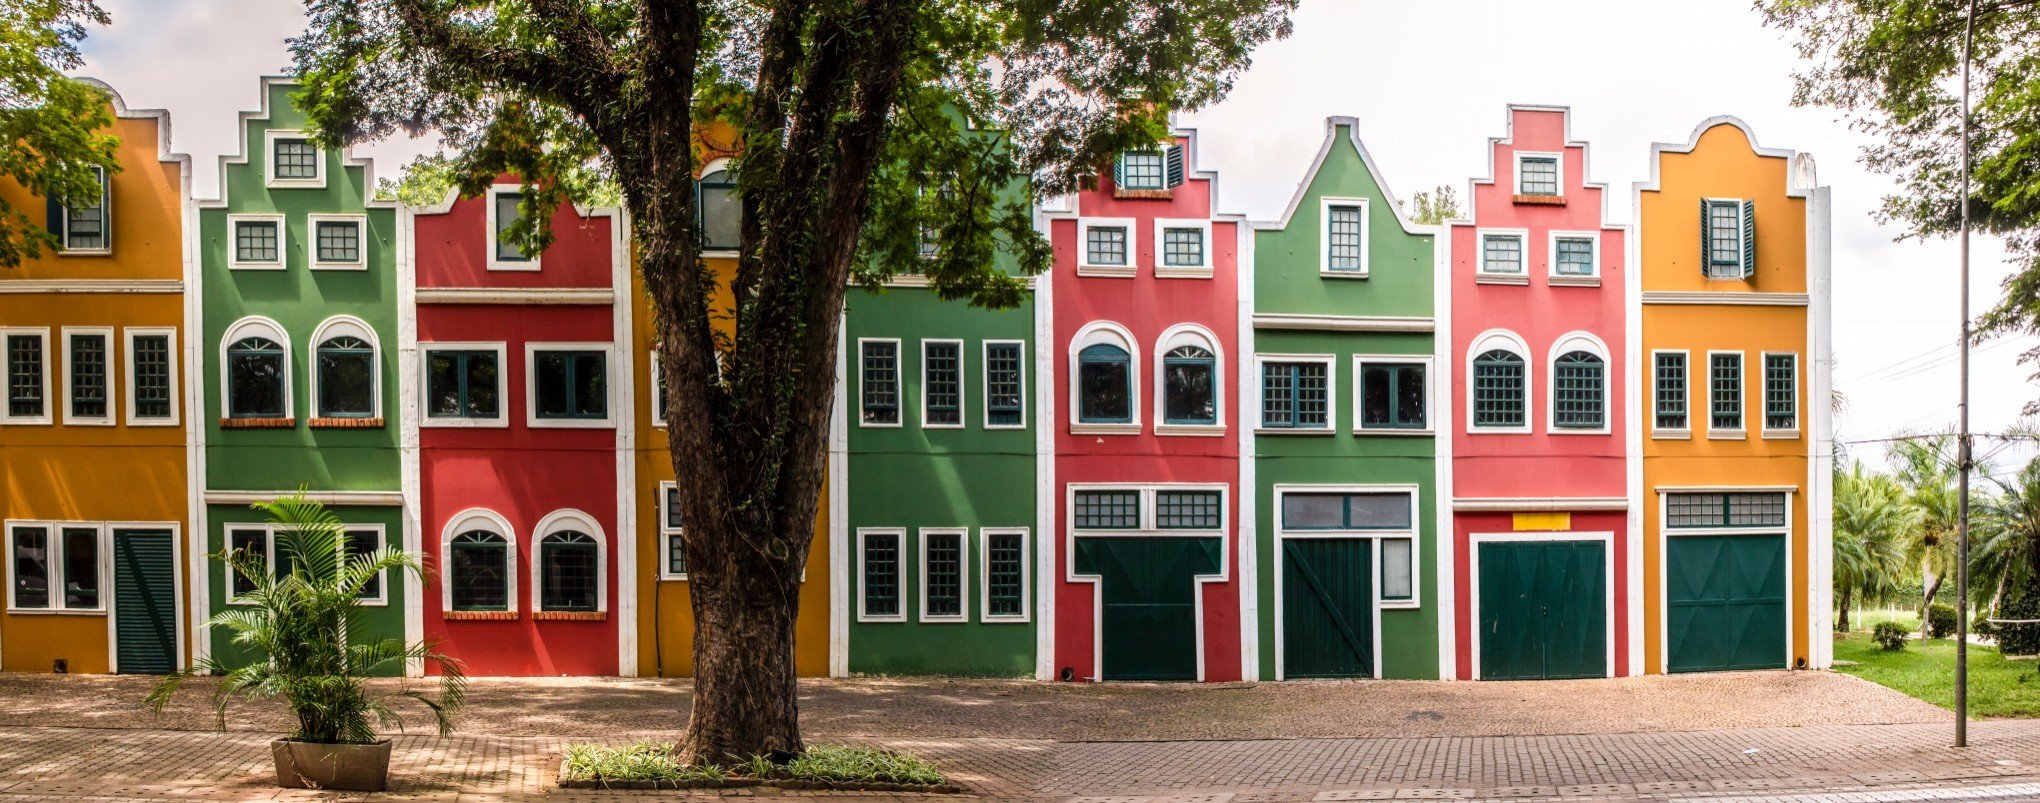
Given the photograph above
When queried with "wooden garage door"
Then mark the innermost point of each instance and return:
(1148, 587)
(1543, 610)
(145, 601)
(1725, 602)
(1327, 608)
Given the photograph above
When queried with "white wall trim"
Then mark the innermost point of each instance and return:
(517, 295)
(1342, 323)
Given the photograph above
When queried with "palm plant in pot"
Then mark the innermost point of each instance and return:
(298, 617)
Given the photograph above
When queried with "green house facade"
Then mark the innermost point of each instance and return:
(1343, 411)
(299, 316)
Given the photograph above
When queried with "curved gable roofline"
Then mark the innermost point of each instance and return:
(445, 205)
(1317, 163)
(240, 156)
(1509, 138)
(162, 118)
(1067, 207)
(1800, 180)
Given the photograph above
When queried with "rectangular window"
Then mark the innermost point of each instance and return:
(1347, 511)
(87, 355)
(338, 241)
(152, 389)
(1183, 247)
(1105, 245)
(1143, 170)
(85, 225)
(942, 573)
(506, 204)
(1398, 570)
(257, 241)
(571, 385)
(253, 542)
(880, 382)
(671, 532)
(1670, 394)
(26, 382)
(1725, 391)
(1343, 239)
(31, 561)
(1005, 575)
(1005, 387)
(1540, 175)
(1189, 510)
(1726, 510)
(879, 565)
(1574, 257)
(60, 574)
(1724, 240)
(1294, 395)
(359, 543)
(296, 159)
(942, 383)
(1392, 396)
(1107, 510)
(1781, 392)
(462, 384)
(1501, 253)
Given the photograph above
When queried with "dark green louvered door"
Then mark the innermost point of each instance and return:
(1725, 602)
(1148, 587)
(145, 601)
(1543, 610)
(1327, 608)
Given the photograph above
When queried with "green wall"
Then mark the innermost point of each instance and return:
(380, 621)
(1399, 280)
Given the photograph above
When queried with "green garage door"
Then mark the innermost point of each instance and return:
(1543, 610)
(145, 601)
(1327, 608)
(1725, 598)
(1149, 590)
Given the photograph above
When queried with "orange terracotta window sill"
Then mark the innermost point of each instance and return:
(1540, 200)
(571, 616)
(346, 423)
(1160, 195)
(480, 616)
(258, 423)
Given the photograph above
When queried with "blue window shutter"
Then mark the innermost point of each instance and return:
(1749, 239)
(1706, 240)
(1175, 162)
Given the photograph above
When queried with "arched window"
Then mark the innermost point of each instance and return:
(1499, 383)
(1189, 386)
(721, 213)
(1104, 385)
(478, 571)
(346, 378)
(257, 376)
(1577, 380)
(569, 570)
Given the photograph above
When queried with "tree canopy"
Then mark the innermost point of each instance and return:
(53, 129)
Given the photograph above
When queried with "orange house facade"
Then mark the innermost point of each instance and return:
(95, 489)
(1735, 436)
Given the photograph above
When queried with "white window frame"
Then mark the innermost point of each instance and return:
(900, 569)
(529, 265)
(1085, 267)
(345, 326)
(657, 375)
(312, 223)
(1707, 245)
(1361, 361)
(531, 419)
(382, 539)
(128, 336)
(1558, 160)
(105, 220)
(667, 532)
(1661, 433)
(1764, 396)
(1551, 274)
(985, 353)
(1325, 205)
(425, 350)
(53, 534)
(1189, 334)
(234, 261)
(317, 181)
(569, 519)
(1505, 340)
(1111, 333)
(1566, 344)
(1482, 275)
(962, 384)
(899, 384)
(251, 326)
(42, 335)
(478, 518)
(1162, 271)
(1742, 364)
(921, 537)
(227, 546)
(1331, 364)
(112, 369)
(1664, 493)
(985, 614)
(1414, 534)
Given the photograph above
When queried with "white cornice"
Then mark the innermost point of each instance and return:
(157, 286)
(516, 295)
(1343, 323)
(1504, 504)
(342, 498)
(1726, 299)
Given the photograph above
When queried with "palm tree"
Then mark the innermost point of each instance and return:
(2007, 552)
(1926, 468)
(1871, 522)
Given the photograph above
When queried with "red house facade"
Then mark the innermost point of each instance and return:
(1144, 335)
(1543, 543)
(521, 422)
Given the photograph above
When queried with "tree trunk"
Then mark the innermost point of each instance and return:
(1842, 619)
(744, 682)
(1927, 603)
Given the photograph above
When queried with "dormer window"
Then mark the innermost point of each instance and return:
(1728, 238)
(504, 212)
(1156, 169)
(294, 160)
(83, 227)
(1537, 175)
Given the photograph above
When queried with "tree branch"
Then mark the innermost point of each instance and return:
(526, 69)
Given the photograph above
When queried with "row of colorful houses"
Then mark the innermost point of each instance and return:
(1529, 443)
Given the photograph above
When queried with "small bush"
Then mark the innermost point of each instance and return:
(2020, 639)
(1941, 620)
(834, 762)
(1890, 635)
(642, 760)
(647, 760)
(1982, 626)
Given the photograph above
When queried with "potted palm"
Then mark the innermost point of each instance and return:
(298, 617)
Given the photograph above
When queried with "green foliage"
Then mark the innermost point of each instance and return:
(1891, 635)
(1432, 207)
(648, 760)
(1982, 626)
(301, 619)
(2020, 638)
(51, 126)
(1941, 620)
(642, 760)
(1872, 523)
(1997, 687)
(846, 763)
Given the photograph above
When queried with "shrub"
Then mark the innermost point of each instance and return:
(1981, 626)
(2016, 639)
(1941, 620)
(1890, 635)
(647, 760)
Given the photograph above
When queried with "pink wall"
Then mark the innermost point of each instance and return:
(1147, 306)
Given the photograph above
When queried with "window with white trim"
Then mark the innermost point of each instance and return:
(1579, 391)
(27, 376)
(944, 567)
(1725, 391)
(364, 542)
(507, 209)
(1537, 175)
(258, 242)
(569, 571)
(878, 572)
(294, 159)
(1183, 247)
(1104, 384)
(463, 383)
(1501, 254)
(672, 536)
(1165, 508)
(55, 567)
(1573, 256)
(258, 374)
(1005, 574)
(1500, 390)
(479, 570)
(879, 382)
(1296, 394)
(570, 384)
(1106, 246)
(1345, 243)
(1724, 510)
(152, 376)
(1393, 395)
(1005, 383)
(718, 210)
(86, 228)
(1781, 392)
(1189, 386)
(337, 241)
(347, 370)
(88, 386)
(247, 545)
(1669, 393)
(942, 383)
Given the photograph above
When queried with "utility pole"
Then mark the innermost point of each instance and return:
(1962, 445)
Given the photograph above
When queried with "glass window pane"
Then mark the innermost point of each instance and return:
(507, 215)
(1392, 396)
(1498, 393)
(365, 542)
(1005, 567)
(255, 376)
(881, 574)
(676, 554)
(339, 241)
(346, 378)
(1724, 238)
(25, 375)
(567, 569)
(1104, 385)
(255, 241)
(247, 545)
(1295, 395)
(1143, 170)
(1398, 573)
(1540, 176)
(88, 376)
(1342, 239)
(483, 385)
(1188, 510)
(945, 574)
(942, 364)
(1107, 510)
(1502, 254)
(1725, 397)
(722, 213)
(85, 225)
(1189, 391)
(671, 502)
(1003, 385)
(1781, 391)
(1578, 386)
(81, 567)
(1575, 256)
(591, 385)
(1105, 245)
(881, 382)
(1670, 395)
(296, 159)
(31, 573)
(150, 361)
(1313, 511)
(1183, 247)
(1378, 511)
(480, 572)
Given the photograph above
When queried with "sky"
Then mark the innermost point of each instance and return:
(1429, 83)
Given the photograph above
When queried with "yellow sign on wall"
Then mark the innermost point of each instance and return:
(1543, 521)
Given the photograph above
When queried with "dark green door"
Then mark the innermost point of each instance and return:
(1148, 587)
(1725, 598)
(145, 601)
(1543, 610)
(1327, 608)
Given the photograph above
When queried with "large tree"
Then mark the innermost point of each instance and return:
(53, 130)
(1894, 66)
(858, 123)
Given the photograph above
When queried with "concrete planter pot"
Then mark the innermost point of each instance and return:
(351, 767)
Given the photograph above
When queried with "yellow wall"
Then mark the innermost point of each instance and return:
(116, 473)
(1723, 165)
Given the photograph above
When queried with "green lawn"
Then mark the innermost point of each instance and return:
(1997, 687)
(1868, 618)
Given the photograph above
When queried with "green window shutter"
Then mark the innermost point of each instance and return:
(1119, 171)
(55, 221)
(1175, 165)
(1706, 240)
(1749, 239)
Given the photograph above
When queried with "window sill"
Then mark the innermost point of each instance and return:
(1425, 432)
(258, 423)
(926, 425)
(1539, 200)
(1003, 620)
(87, 422)
(570, 616)
(1191, 430)
(1498, 430)
(944, 620)
(297, 183)
(1574, 281)
(344, 267)
(1400, 605)
(1161, 194)
(1573, 431)
(1108, 271)
(1105, 429)
(879, 424)
(1500, 278)
(882, 620)
(1781, 434)
(456, 422)
(672, 578)
(1671, 435)
(1333, 273)
(152, 422)
(56, 611)
(570, 423)
(84, 252)
(345, 423)
(721, 253)
(479, 616)
(1727, 435)
(1182, 272)
(270, 266)
(1293, 431)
